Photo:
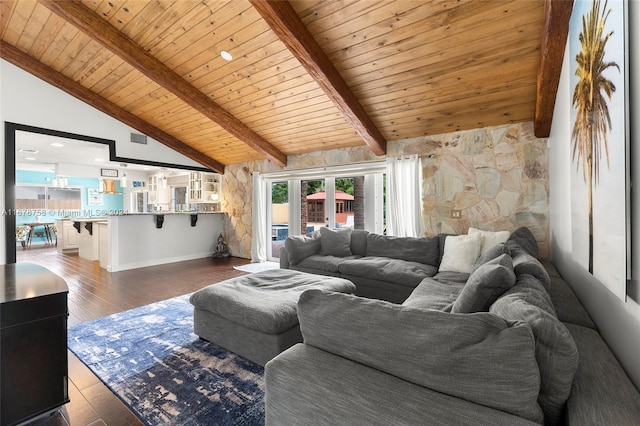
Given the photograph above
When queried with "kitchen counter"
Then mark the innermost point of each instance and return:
(138, 240)
(88, 240)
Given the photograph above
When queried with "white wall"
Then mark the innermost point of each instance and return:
(619, 321)
(25, 99)
(135, 242)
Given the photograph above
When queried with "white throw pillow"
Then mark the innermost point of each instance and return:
(460, 253)
(490, 238)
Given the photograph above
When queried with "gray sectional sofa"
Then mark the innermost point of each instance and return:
(506, 343)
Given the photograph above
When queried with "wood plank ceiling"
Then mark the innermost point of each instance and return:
(407, 68)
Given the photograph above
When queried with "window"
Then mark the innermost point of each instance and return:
(279, 215)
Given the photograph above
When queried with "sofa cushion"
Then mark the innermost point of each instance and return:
(359, 242)
(551, 268)
(490, 238)
(556, 351)
(421, 250)
(331, 390)
(300, 268)
(529, 289)
(490, 361)
(323, 263)
(485, 285)
(385, 269)
(460, 253)
(335, 242)
(434, 294)
(301, 246)
(567, 305)
(450, 276)
(602, 394)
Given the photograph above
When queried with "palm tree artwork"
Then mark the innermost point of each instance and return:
(591, 129)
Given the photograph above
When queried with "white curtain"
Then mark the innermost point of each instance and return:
(404, 201)
(259, 220)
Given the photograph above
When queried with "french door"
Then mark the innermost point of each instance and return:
(300, 205)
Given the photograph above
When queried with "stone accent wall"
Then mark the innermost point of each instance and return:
(237, 187)
(497, 177)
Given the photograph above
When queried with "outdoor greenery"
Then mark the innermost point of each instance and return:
(280, 195)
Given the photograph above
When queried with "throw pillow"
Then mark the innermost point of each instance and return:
(359, 242)
(460, 253)
(299, 247)
(492, 253)
(334, 242)
(555, 349)
(525, 238)
(485, 285)
(525, 263)
(490, 238)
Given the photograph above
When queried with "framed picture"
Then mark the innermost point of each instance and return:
(600, 175)
(94, 197)
(109, 172)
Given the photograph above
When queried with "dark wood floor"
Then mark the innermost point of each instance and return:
(93, 293)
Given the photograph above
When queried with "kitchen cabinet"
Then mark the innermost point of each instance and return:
(152, 184)
(205, 188)
(33, 342)
(89, 239)
(158, 192)
(67, 238)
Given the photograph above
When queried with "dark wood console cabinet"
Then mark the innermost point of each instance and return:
(33, 342)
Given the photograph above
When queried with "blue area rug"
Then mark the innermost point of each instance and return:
(151, 359)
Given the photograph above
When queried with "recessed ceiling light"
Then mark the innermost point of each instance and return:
(226, 55)
(30, 158)
(30, 151)
(99, 160)
(57, 144)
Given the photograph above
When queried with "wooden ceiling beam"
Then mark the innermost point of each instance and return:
(287, 25)
(108, 36)
(22, 60)
(557, 14)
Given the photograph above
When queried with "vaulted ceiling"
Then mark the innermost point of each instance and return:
(305, 75)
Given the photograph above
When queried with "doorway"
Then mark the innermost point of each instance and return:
(11, 131)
